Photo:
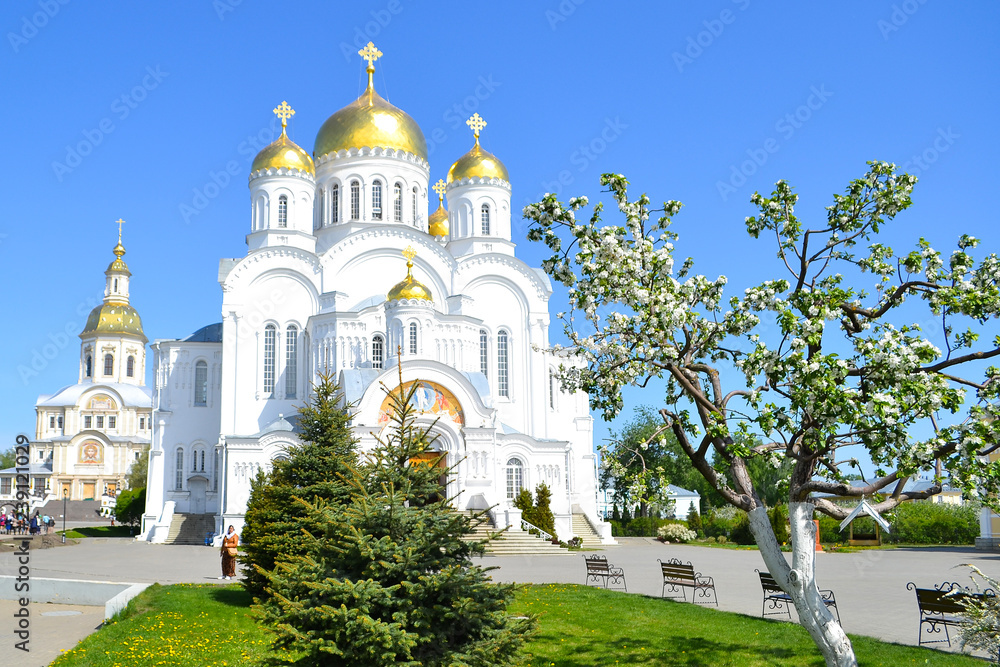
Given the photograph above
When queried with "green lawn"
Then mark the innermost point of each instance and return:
(98, 531)
(202, 625)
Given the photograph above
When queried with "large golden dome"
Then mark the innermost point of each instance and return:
(116, 319)
(408, 287)
(370, 122)
(283, 152)
(477, 163)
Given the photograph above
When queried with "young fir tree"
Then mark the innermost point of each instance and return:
(275, 520)
(526, 503)
(388, 580)
(544, 518)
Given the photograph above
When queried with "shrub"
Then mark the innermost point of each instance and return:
(694, 519)
(778, 516)
(924, 522)
(524, 502)
(676, 532)
(741, 530)
(981, 626)
(543, 517)
(130, 506)
(643, 526)
(829, 530)
(721, 539)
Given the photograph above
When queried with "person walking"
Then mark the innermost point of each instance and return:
(229, 544)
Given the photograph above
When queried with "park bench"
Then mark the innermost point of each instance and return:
(781, 602)
(941, 607)
(680, 576)
(600, 570)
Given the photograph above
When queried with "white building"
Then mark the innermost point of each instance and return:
(344, 267)
(89, 434)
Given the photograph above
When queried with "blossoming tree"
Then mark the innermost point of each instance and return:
(806, 366)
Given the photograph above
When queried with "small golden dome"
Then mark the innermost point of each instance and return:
(370, 122)
(118, 265)
(477, 163)
(283, 152)
(408, 287)
(437, 223)
(116, 319)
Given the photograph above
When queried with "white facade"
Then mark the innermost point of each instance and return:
(323, 288)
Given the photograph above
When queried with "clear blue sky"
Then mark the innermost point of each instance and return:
(677, 96)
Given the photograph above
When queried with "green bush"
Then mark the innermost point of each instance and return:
(924, 522)
(828, 530)
(543, 517)
(778, 516)
(130, 506)
(741, 530)
(694, 520)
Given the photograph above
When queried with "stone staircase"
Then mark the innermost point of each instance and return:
(582, 529)
(517, 543)
(190, 528)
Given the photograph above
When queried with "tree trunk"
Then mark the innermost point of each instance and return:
(799, 580)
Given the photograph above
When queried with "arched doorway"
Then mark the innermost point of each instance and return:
(198, 486)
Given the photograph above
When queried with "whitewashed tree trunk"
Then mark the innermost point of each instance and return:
(799, 580)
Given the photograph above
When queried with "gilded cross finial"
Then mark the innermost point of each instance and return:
(284, 112)
(409, 253)
(476, 123)
(120, 223)
(439, 188)
(371, 54)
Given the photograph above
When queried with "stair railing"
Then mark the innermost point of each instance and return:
(529, 526)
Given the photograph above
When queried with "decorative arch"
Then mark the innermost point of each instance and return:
(428, 398)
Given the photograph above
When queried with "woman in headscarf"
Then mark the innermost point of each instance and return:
(229, 544)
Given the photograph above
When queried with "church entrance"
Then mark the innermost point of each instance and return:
(88, 490)
(198, 487)
(438, 460)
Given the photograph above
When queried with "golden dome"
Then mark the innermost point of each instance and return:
(283, 152)
(114, 318)
(370, 121)
(437, 224)
(118, 265)
(477, 163)
(408, 287)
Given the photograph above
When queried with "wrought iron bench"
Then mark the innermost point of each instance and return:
(781, 602)
(941, 607)
(680, 576)
(600, 570)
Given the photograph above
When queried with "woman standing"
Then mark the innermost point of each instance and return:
(229, 544)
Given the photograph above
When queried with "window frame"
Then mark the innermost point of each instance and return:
(503, 363)
(270, 355)
(377, 199)
(282, 211)
(414, 343)
(291, 361)
(130, 366)
(109, 364)
(484, 220)
(201, 384)
(516, 477)
(378, 351)
(335, 203)
(355, 200)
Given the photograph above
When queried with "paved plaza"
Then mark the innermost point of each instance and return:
(870, 586)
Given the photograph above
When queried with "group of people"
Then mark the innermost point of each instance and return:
(19, 523)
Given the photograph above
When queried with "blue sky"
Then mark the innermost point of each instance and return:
(134, 111)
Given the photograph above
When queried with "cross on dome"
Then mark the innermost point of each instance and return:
(409, 253)
(439, 188)
(284, 112)
(371, 54)
(477, 123)
(120, 223)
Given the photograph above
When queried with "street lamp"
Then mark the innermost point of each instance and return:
(65, 498)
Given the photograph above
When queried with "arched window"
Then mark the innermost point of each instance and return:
(378, 351)
(282, 211)
(503, 365)
(376, 200)
(179, 476)
(291, 360)
(270, 334)
(414, 206)
(335, 203)
(130, 366)
(355, 200)
(552, 390)
(109, 364)
(484, 218)
(397, 202)
(320, 210)
(201, 461)
(215, 471)
(515, 477)
(484, 352)
(413, 337)
(201, 383)
(90, 366)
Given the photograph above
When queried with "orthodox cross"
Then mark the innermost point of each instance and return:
(120, 223)
(476, 123)
(409, 253)
(371, 54)
(439, 188)
(284, 112)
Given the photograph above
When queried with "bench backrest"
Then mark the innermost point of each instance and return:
(596, 563)
(768, 583)
(677, 570)
(932, 601)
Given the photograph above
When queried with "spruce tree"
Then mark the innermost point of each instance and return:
(543, 516)
(275, 517)
(388, 579)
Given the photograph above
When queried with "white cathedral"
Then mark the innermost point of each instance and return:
(346, 274)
